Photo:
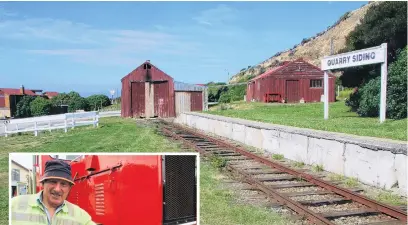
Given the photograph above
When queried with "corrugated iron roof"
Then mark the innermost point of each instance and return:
(283, 65)
(180, 86)
(51, 93)
(269, 72)
(15, 91)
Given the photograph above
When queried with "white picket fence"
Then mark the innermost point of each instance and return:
(48, 123)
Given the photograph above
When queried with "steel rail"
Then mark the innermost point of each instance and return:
(299, 208)
(383, 208)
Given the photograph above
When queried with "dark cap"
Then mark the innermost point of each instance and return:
(57, 169)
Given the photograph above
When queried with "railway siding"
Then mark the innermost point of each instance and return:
(373, 161)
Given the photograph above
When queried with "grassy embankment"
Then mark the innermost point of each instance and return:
(310, 116)
(122, 135)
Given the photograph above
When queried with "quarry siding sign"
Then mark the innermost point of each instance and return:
(361, 57)
(355, 58)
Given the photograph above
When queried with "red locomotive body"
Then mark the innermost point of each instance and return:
(134, 189)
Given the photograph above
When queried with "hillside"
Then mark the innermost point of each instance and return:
(312, 49)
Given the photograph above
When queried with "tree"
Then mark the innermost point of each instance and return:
(77, 103)
(23, 107)
(40, 106)
(98, 101)
(73, 94)
(383, 22)
(60, 99)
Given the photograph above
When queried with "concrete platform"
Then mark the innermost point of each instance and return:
(378, 162)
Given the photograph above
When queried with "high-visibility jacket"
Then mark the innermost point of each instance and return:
(26, 210)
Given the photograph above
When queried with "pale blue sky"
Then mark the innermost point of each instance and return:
(89, 46)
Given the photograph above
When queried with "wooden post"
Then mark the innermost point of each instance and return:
(5, 129)
(35, 129)
(66, 124)
(73, 121)
(94, 120)
(49, 125)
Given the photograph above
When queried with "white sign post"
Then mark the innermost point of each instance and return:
(361, 57)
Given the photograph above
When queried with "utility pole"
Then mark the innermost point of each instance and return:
(226, 70)
(112, 92)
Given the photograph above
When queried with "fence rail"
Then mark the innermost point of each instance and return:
(44, 123)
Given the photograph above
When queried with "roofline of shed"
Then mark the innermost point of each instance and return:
(286, 65)
(148, 62)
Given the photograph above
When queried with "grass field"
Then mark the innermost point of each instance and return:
(122, 135)
(113, 107)
(311, 116)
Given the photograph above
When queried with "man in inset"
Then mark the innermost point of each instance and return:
(49, 206)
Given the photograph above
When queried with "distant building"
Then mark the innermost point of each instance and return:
(50, 94)
(9, 97)
(20, 179)
(292, 81)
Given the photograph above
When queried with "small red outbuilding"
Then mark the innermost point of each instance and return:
(291, 81)
(147, 92)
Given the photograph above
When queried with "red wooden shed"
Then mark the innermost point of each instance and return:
(291, 81)
(147, 92)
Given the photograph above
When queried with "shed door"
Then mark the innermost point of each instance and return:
(161, 99)
(292, 90)
(196, 101)
(138, 99)
(183, 102)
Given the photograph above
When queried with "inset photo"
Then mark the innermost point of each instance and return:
(104, 189)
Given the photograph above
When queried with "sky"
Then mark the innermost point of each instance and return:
(89, 46)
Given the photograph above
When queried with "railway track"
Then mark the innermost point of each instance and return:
(317, 200)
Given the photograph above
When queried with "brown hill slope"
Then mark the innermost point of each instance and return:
(313, 49)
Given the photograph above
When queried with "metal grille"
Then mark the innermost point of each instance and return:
(179, 188)
(100, 199)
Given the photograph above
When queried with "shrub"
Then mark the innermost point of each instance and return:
(343, 17)
(353, 101)
(40, 106)
(305, 40)
(397, 87)
(225, 97)
(367, 100)
(23, 106)
(370, 98)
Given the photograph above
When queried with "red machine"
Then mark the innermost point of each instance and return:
(133, 189)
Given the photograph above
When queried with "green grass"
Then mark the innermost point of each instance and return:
(310, 115)
(298, 164)
(218, 208)
(114, 134)
(113, 107)
(318, 168)
(122, 135)
(351, 182)
(344, 94)
(277, 156)
(336, 177)
(390, 198)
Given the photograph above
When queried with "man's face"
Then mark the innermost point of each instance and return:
(55, 191)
